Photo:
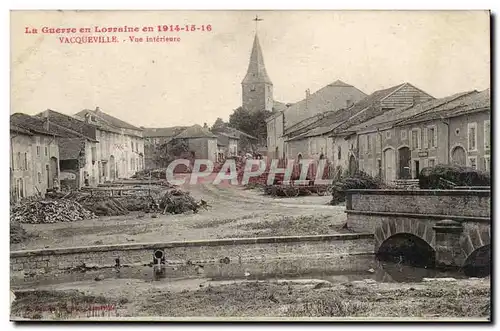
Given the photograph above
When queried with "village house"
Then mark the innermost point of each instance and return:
(77, 148)
(379, 138)
(34, 165)
(155, 137)
(345, 141)
(120, 151)
(457, 132)
(202, 144)
(287, 123)
(227, 146)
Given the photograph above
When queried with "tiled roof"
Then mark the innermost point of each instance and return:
(18, 129)
(70, 148)
(463, 105)
(33, 124)
(195, 131)
(238, 133)
(111, 120)
(324, 125)
(72, 124)
(279, 106)
(332, 97)
(163, 132)
(399, 114)
(367, 108)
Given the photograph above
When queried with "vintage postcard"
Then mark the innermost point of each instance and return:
(250, 165)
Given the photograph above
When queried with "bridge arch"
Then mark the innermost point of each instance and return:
(406, 241)
(475, 244)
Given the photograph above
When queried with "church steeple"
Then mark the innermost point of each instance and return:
(256, 72)
(257, 88)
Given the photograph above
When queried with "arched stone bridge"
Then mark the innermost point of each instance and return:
(454, 223)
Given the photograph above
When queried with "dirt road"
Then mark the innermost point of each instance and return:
(234, 212)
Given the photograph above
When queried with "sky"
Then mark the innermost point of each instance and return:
(199, 78)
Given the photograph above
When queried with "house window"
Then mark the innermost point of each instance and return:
(473, 162)
(403, 135)
(37, 150)
(252, 88)
(46, 151)
(388, 134)
(486, 163)
(368, 143)
(39, 175)
(415, 138)
(472, 136)
(339, 153)
(432, 137)
(132, 143)
(431, 162)
(25, 161)
(487, 134)
(21, 188)
(18, 161)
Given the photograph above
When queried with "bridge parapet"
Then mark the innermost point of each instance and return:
(454, 223)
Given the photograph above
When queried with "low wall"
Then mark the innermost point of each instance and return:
(244, 250)
(474, 203)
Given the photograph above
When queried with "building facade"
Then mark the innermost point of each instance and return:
(34, 160)
(120, 151)
(452, 130)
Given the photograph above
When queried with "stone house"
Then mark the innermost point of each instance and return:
(34, 158)
(227, 146)
(202, 143)
(457, 132)
(345, 142)
(284, 124)
(78, 148)
(120, 151)
(155, 137)
(379, 138)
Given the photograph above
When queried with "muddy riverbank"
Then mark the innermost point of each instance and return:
(268, 299)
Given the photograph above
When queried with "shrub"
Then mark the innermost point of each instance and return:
(429, 177)
(360, 180)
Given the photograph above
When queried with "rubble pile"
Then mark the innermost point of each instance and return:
(103, 206)
(137, 202)
(178, 202)
(50, 211)
(360, 180)
(17, 233)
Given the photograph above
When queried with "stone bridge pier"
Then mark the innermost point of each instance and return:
(451, 225)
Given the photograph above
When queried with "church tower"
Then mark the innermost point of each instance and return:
(257, 88)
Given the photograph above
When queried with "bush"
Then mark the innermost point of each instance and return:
(360, 180)
(429, 177)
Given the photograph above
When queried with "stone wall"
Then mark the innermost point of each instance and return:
(434, 202)
(55, 261)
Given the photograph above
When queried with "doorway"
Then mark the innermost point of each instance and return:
(416, 168)
(404, 163)
(352, 165)
(389, 165)
(458, 156)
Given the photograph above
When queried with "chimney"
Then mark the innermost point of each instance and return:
(308, 94)
(205, 125)
(97, 109)
(87, 118)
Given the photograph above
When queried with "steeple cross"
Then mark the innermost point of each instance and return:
(257, 20)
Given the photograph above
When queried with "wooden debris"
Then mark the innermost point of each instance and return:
(50, 211)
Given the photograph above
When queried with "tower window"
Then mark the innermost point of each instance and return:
(252, 88)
